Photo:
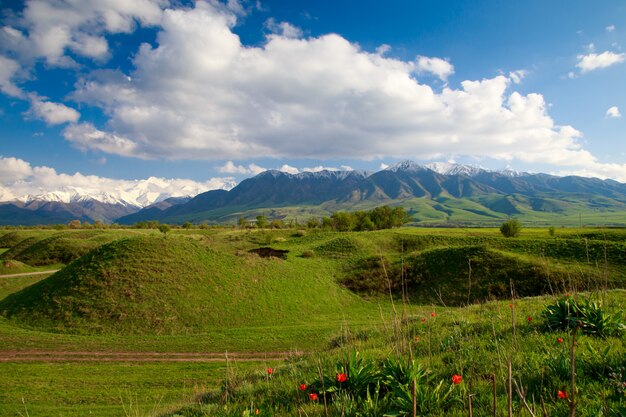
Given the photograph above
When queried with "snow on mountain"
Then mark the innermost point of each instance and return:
(138, 193)
(450, 168)
(404, 166)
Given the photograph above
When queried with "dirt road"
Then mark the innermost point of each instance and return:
(104, 356)
(24, 274)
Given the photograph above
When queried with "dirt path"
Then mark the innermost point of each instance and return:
(24, 274)
(103, 356)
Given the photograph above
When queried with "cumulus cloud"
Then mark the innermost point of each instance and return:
(436, 66)
(284, 29)
(593, 61)
(289, 169)
(199, 93)
(610, 28)
(613, 112)
(49, 28)
(18, 179)
(8, 71)
(230, 168)
(53, 113)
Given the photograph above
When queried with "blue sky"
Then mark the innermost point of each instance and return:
(214, 92)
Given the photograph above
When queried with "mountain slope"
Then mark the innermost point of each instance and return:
(464, 194)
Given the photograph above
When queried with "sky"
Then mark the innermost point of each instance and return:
(202, 94)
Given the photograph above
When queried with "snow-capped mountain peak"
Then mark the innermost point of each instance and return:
(450, 168)
(406, 165)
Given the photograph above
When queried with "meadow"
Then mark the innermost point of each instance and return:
(139, 322)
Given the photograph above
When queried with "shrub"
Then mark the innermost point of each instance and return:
(567, 313)
(511, 228)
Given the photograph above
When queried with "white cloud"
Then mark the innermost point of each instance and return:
(518, 76)
(48, 28)
(289, 169)
(610, 28)
(85, 136)
(198, 93)
(436, 66)
(595, 61)
(383, 165)
(19, 179)
(613, 112)
(283, 29)
(230, 168)
(8, 71)
(53, 113)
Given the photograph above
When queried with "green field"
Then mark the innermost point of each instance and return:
(206, 293)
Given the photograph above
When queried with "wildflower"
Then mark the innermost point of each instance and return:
(432, 314)
(341, 377)
(423, 319)
(313, 396)
(529, 318)
(559, 340)
(416, 339)
(302, 387)
(257, 411)
(562, 395)
(456, 379)
(511, 306)
(270, 371)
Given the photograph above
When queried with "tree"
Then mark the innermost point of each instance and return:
(261, 221)
(242, 222)
(511, 228)
(74, 224)
(187, 225)
(163, 228)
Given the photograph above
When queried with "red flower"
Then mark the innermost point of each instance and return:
(416, 338)
(423, 319)
(257, 411)
(432, 314)
(302, 387)
(313, 396)
(342, 377)
(529, 318)
(511, 306)
(559, 340)
(456, 379)
(270, 371)
(562, 395)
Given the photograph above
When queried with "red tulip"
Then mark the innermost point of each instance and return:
(270, 371)
(423, 319)
(342, 377)
(302, 387)
(562, 395)
(529, 318)
(559, 340)
(511, 306)
(456, 379)
(432, 314)
(313, 396)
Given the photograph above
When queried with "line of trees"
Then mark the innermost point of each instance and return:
(379, 218)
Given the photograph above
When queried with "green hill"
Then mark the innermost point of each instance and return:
(176, 285)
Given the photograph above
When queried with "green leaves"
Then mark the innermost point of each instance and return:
(568, 313)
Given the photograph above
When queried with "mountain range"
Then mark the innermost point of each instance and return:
(439, 194)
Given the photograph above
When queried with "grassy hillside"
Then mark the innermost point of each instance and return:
(176, 285)
(205, 291)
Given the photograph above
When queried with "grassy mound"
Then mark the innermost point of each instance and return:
(469, 274)
(175, 285)
(61, 248)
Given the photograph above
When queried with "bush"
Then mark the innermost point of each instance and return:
(511, 228)
(567, 313)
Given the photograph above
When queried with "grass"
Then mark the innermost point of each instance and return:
(219, 297)
(111, 389)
